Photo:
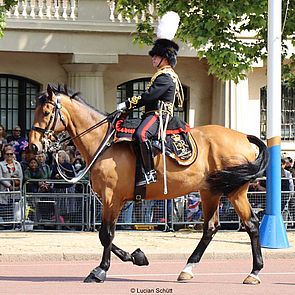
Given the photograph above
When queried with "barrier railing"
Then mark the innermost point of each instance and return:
(145, 215)
(57, 205)
(11, 204)
(187, 210)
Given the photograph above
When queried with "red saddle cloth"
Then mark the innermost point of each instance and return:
(180, 145)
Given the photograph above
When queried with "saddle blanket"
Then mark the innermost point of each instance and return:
(180, 144)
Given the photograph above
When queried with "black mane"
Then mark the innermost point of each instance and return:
(42, 97)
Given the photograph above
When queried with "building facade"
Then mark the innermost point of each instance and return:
(86, 45)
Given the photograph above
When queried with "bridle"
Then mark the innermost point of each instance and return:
(55, 115)
(50, 129)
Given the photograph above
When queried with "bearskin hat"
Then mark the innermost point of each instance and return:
(164, 46)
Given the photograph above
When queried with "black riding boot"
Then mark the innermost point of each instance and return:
(150, 174)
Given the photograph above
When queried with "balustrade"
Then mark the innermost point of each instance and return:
(114, 17)
(68, 10)
(44, 9)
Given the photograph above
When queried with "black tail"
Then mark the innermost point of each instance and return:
(227, 180)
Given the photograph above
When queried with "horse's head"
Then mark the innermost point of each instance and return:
(50, 118)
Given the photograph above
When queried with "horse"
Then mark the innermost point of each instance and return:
(226, 163)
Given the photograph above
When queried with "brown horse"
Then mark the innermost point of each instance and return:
(225, 164)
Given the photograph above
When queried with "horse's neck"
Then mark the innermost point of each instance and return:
(83, 117)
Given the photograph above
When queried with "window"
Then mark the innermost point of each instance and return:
(287, 115)
(137, 87)
(17, 101)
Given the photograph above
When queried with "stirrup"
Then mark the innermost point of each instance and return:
(151, 176)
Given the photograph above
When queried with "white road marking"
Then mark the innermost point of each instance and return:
(201, 274)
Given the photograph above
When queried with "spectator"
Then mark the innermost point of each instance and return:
(70, 150)
(256, 186)
(10, 168)
(147, 211)
(127, 213)
(26, 155)
(194, 209)
(41, 158)
(79, 165)
(67, 168)
(3, 141)
(287, 181)
(18, 142)
(67, 205)
(34, 172)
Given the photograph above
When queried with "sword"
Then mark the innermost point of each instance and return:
(163, 136)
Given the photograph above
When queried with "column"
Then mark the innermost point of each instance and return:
(89, 83)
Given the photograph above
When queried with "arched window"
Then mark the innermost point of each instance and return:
(287, 114)
(17, 101)
(137, 87)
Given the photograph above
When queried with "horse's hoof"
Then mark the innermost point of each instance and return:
(184, 276)
(98, 275)
(252, 279)
(138, 258)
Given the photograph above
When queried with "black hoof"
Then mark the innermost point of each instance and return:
(139, 258)
(98, 275)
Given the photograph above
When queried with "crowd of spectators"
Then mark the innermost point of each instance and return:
(19, 166)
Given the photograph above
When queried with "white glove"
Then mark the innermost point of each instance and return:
(121, 106)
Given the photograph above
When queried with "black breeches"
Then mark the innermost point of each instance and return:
(147, 129)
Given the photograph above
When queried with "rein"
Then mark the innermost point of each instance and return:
(49, 130)
(111, 118)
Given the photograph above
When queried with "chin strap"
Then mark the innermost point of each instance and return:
(160, 62)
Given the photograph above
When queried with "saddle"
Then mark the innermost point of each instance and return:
(180, 145)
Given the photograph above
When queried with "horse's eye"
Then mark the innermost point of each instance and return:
(46, 113)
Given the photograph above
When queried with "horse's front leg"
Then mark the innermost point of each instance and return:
(106, 236)
(137, 257)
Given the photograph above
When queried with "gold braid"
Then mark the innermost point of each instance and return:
(179, 90)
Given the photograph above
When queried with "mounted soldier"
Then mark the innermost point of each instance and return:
(164, 92)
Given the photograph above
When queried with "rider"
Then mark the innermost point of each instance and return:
(163, 92)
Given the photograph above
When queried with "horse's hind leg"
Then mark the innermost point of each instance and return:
(211, 225)
(243, 208)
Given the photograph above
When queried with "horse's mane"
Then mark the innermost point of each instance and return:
(42, 97)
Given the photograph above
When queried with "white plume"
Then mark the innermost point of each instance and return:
(168, 25)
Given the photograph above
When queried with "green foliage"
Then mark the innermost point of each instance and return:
(7, 4)
(215, 29)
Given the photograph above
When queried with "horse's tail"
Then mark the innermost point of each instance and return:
(230, 178)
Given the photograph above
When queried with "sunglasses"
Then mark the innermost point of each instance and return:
(9, 154)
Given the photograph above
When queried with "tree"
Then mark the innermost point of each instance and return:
(215, 28)
(7, 4)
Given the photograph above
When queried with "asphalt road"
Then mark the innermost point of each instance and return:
(211, 277)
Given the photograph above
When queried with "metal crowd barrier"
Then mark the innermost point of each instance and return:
(11, 204)
(55, 205)
(187, 210)
(187, 213)
(145, 215)
(63, 206)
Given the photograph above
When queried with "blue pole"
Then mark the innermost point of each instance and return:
(272, 230)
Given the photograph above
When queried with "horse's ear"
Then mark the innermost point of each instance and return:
(49, 91)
